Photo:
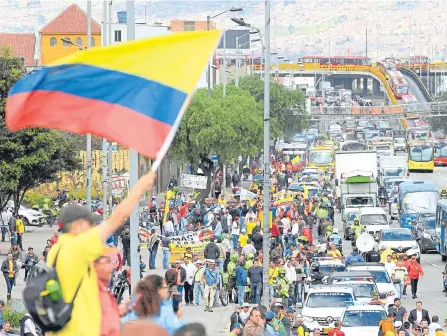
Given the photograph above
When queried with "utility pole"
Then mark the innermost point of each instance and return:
(208, 75)
(134, 255)
(266, 227)
(89, 136)
(110, 150)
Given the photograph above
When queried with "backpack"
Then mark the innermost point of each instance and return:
(47, 314)
(22, 324)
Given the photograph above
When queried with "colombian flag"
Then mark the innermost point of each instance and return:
(133, 93)
(296, 160)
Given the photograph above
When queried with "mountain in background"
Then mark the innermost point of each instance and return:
(299, 27)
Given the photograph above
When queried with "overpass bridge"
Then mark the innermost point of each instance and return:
(396, 112)
(345, 73)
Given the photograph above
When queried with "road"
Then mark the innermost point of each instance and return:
(430, 286)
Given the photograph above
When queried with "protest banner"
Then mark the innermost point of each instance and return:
(193, 237)
(177, 251)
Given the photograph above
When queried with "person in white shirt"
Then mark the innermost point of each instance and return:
(169, 227)
(235, 232)
(389, 266)
(434, 325)
(286, 224)
(190, 269)
(295, 228)
(249, 248)
(29, 327)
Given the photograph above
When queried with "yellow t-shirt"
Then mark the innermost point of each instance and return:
(334, 254)
(221, 202)
(74, 264)
(20, 226)
(11, 269)
(242, 240)
(273, 273)
(250, 227)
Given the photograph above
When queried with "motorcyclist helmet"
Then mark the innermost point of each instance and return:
(443, 192)
(356, 221)
(335, 231)
(250, 256)
(282, 271)
(234, 257)
(330, 228)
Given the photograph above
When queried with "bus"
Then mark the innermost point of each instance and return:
(412, 105)
(441, 222)
(420, 156)
(335, 60)
(416, 197)
(321, 157)
(440, 147)
(398, 84)
(384, 146)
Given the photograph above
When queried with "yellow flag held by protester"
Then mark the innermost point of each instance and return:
(296, 160)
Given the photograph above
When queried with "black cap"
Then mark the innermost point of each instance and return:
(74, 212)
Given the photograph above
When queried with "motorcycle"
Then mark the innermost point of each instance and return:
(120, 285)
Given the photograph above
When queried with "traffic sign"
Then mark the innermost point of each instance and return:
(193, 181)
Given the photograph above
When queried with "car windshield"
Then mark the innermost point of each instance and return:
(383, 148)
(359, 201)
(380, 276)
(397, 235)
(353, 146)
(328, 269)
(363, 318)
(329, 299)
(373, 219)
(440, 151)
(430, 224)
(361, 290)
(393, 172)
(417, 202)
(351, 216)
(399, 140)
(421, 153)
(320, 157)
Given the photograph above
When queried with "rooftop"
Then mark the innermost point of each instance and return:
(73, 20)
(21, 45)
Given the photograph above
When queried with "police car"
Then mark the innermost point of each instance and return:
(326, 304)
(362, 320)
(381, 277)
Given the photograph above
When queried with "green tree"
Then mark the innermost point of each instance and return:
(287, 107)
(228, 126)
(31, 156)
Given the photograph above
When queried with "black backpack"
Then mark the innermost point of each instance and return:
(47, 314)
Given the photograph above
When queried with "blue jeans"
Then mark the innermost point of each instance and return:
(255, 289)
(152, 256)
(240, 294)
(271, 292)
(9, 284)
(180, 289)
(399, 289)
(166, 256)
(199, 291)
(183, 224)
(235, 239)
(298, 291)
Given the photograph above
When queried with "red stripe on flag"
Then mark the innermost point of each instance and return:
(114, 122)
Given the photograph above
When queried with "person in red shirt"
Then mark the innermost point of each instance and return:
(274, 230)
(336, 330)
(307, 233)
(414, 272)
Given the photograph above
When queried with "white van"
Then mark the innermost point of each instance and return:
(374, 220)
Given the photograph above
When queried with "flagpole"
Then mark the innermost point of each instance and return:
(104, 140)
(89, 136)
(133, 157)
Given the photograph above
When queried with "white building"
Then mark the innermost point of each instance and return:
(142, 30)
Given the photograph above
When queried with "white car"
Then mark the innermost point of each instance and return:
(363, 290)
(400, 240)
(30, 216)
(324, 305)
(394, 211)
(373, 220)
(381, 277)
(362, 320)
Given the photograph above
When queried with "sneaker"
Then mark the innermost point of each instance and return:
(187, 303)
(197, 304)
(206, 308)
(210, 310)
(405, 296)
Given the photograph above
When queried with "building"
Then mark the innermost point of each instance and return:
(184, 25)
(142, 30)
(22, 46)
(72, 24)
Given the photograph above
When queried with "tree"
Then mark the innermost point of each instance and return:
(287, 107)
(31, 156)
(227, 126)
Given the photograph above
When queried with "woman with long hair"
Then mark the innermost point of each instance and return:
(153, 304)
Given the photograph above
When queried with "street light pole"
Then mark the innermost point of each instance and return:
(109, 144)
(237, 62)
(104, 140)
(225, 65)
(266, 230)
(208, 19)
(133, 178)
(89, 136)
